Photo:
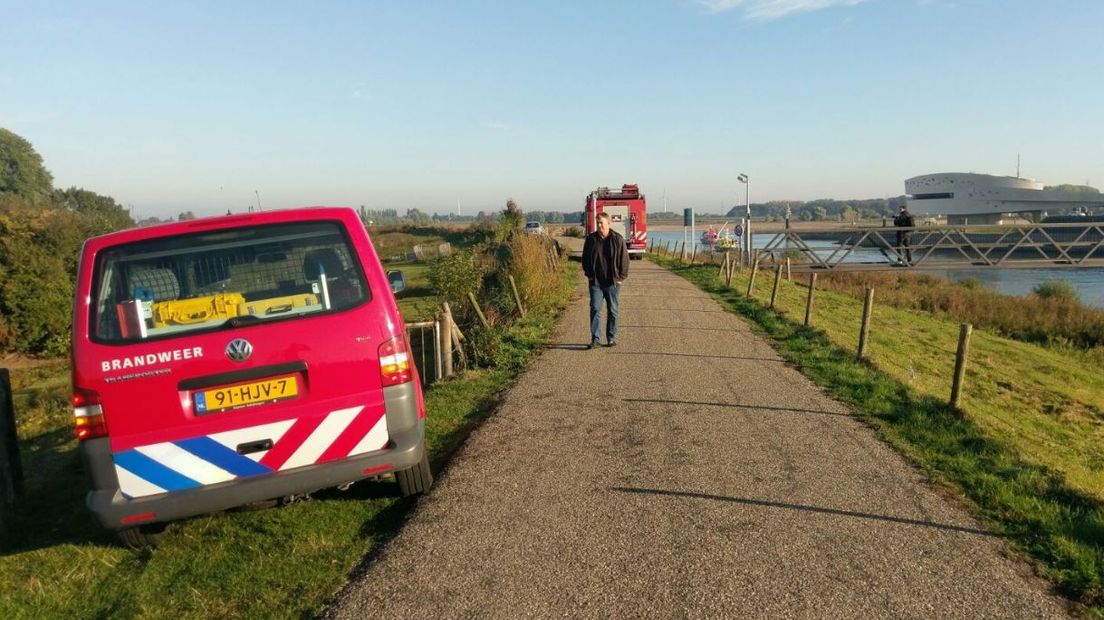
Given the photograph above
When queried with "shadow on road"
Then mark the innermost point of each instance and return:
(566, 347)
(734, 406)
(700, 329)
(695, 355)
(817, 509)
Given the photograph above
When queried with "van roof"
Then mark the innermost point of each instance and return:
(279, 216)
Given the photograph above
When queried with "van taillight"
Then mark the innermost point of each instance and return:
(394, 360)
(88, 415)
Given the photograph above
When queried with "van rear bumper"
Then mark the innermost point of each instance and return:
(405, 450)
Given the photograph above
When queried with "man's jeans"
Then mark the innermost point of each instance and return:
(597, 294)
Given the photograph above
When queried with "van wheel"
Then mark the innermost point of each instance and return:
(415, 480)
(143, 536)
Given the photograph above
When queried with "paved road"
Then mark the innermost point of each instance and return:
(687, 472)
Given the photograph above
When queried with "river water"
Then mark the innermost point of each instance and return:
(1088, 282)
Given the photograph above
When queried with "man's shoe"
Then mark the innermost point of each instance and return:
(592, 345)
(612, 343)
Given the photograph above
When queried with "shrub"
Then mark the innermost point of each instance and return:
(529, 264)
(487, 347)
(971, 284)
(1056, 289)
(575, 232)
(511, 223)
(453, 277)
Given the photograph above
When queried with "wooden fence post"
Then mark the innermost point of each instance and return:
(694, 254)
(445, 343)
(774, 289)
(11, 469)
(751, 279)
(478, 311)
(438, 359)
(457, 337)
(960, 363)
(809, 300)
(864, 331)
(517, 298)
(788, 269)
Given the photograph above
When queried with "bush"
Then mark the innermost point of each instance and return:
(971, 284)
(38, 257)
(453, 277)
(575, 232)
(1056, 289)
(487, 347)
(530, 266)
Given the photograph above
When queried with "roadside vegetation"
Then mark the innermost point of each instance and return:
(279, 562)
(1051, 316)
(1025, 450)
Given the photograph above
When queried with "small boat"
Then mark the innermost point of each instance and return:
(726, 240)
(722, 240)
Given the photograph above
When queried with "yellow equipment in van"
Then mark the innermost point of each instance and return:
(279, 305)
(197, 309)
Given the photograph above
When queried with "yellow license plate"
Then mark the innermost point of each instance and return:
(256, 393)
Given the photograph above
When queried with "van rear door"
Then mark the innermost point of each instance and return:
(234, 352)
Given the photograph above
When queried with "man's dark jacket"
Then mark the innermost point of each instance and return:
(903, 220)
(605, 260)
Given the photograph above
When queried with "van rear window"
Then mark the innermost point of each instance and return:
(227, 278)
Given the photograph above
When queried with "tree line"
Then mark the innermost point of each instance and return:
(42, 229)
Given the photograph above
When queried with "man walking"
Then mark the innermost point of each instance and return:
(606, 265)
(904, 220)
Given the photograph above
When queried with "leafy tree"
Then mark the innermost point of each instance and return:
(417, 216)
(511, 222)
(186, 215)
(21, 170)
(101, 214)
(38, 256)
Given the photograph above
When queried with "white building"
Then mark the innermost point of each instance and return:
(967, 198)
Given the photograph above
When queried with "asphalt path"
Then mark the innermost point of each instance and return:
(687, 472)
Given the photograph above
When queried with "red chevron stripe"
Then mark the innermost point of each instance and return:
(351, 436)
(290, 442)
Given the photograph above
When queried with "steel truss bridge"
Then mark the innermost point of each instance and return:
(940, 247)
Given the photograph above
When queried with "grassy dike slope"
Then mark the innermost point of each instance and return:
(277, 563)
(1025, 450)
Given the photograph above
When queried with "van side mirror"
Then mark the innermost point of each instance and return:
(397, 280)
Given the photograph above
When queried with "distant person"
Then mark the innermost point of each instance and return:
(606, 265)
(904, 220)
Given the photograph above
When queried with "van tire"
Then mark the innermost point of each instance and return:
(143, 536)
(415, 480)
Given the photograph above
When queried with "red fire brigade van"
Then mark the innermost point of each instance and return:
(227, 361)
(628, 213)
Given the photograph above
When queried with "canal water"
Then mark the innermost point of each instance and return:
(1088, 282)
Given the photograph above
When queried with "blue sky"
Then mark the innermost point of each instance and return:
(195, 105)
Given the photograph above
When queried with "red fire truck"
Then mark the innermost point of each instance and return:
(628, 213)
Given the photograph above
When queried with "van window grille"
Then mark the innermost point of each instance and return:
(178, 285)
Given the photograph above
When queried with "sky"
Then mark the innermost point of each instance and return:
(209, 106)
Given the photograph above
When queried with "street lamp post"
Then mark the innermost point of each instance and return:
(746, 180)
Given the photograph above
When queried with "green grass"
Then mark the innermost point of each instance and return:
(1023, 451)
(285, 562)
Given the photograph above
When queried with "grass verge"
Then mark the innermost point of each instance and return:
(1033, 476)
(284, 562)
